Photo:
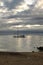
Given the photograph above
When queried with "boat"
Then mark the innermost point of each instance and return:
(19, 36)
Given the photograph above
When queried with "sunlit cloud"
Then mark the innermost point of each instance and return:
(29, 2)
(24, 27)
(36, 25)
(39, 4)
(39, 7)
(3, 10)
(17, 26)
(29, 26)
(1, 3)
(10, 21)
(22, 7)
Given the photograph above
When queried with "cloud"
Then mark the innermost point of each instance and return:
(11, 8)
(12, 4)
(17, 12)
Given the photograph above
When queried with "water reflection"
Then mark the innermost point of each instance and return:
(28, 44)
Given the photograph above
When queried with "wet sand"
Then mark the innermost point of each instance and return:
(22, 58)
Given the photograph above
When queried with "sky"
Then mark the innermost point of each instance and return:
(17, 12)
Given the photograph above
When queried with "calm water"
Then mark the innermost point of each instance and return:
(27, 44)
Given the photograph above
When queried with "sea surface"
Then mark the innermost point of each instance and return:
(28, 44)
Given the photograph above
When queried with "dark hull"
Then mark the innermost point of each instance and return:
(19, 36)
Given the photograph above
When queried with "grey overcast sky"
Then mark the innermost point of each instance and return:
(16, 12)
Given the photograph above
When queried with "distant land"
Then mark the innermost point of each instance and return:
(19, 32)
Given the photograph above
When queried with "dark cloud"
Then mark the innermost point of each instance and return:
(13, 4)
(27, 21)
(17, 16)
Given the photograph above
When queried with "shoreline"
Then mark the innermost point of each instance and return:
(21, 58)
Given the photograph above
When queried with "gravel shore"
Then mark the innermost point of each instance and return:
(21, 58)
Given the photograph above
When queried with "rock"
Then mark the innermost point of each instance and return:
(40, 48)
